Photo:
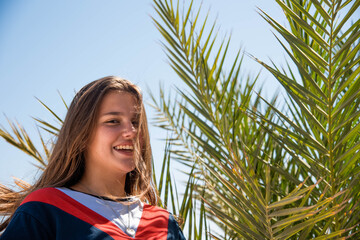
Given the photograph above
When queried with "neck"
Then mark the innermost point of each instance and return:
(111, 189)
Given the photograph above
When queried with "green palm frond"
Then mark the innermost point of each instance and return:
(190, 209)
(253, 155)
(20, 139)
(324, 46)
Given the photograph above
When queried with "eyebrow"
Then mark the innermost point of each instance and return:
(113, 113)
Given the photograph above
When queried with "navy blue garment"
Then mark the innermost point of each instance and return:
(52, 215)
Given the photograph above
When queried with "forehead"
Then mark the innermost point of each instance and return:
(116, 101)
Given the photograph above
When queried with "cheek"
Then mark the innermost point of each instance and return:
(98, 140)
(106, 134)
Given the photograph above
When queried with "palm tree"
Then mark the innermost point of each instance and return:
(288, 172)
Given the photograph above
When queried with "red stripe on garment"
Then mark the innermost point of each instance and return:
(62, 201)
(153, 224)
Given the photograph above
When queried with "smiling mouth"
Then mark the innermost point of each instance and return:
(125, 148)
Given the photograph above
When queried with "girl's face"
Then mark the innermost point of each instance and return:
(110, 150)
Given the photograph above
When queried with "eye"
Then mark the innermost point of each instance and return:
(135, 123)
(113, 121)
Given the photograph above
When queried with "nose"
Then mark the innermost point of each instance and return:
(129, 131)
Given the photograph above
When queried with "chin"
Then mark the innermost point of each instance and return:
(127, 169)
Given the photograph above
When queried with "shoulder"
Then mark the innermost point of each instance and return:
(42, 202)
(39, 199)
(33, 218)
(174, 230)
(43, 195)
(156, 212)
(162, 216)
(47, 202)
(162, 220)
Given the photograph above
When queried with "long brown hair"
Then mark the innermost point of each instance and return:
(67, 163)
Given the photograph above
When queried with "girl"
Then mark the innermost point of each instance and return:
(98, 181)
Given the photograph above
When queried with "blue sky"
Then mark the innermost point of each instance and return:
(50, 46)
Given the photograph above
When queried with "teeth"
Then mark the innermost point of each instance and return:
(127, 147)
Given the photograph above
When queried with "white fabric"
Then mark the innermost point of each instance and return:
(108, 208)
